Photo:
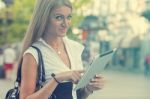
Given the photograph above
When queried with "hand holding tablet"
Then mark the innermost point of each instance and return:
(96, 67)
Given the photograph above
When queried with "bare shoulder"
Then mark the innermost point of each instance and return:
(28, 59)
(29, 65)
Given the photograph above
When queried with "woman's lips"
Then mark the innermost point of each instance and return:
(63, 30)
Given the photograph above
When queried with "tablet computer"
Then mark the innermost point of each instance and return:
(96, 67)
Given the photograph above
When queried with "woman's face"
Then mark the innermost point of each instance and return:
(60, 20)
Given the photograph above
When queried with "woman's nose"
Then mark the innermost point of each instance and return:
(65, 23)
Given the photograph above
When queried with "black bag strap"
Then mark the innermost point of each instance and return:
(41, 70)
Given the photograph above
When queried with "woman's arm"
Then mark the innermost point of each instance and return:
(28, 81)
(29, 76)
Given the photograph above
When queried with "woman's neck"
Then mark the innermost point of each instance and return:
(55, 42)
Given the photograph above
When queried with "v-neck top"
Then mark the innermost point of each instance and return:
(53, 63)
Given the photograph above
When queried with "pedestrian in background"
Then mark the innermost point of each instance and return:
(9, 61)
(147, 65)
(2, 72)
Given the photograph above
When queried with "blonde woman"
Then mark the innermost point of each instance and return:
(62, 56)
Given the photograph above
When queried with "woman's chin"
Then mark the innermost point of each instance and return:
(62, 35)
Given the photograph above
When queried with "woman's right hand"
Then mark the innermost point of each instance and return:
(72, 76)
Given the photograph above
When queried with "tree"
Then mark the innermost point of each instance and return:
(21, 13)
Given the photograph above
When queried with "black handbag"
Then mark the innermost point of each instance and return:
(14, 92)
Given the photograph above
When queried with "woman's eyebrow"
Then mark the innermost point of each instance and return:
(59, 13)
(62, 14)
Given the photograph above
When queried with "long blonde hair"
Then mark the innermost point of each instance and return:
(39, 20)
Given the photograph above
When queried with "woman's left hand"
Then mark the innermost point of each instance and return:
(96, 83)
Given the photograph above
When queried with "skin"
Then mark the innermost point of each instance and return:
(59, 22)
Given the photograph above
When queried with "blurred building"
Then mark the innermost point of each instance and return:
(124, 27)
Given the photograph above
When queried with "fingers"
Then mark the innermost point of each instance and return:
(81, 71)
(96, 85)
(76, 76)
(98, 76)
(97, 82)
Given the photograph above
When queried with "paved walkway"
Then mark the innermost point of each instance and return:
(124, 85)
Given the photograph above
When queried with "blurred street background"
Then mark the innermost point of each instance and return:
(100, 25)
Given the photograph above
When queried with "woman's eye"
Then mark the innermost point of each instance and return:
(59, 17)
(69, 17)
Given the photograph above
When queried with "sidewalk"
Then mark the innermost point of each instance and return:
(5, 85)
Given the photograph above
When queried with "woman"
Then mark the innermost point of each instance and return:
(61, 56)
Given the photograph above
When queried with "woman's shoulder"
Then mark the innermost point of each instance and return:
(31, 49)
(32, 52)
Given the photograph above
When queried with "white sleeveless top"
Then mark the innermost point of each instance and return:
(53, 63)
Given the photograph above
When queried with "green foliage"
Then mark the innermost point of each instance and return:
(77, 5)
(21, 13)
